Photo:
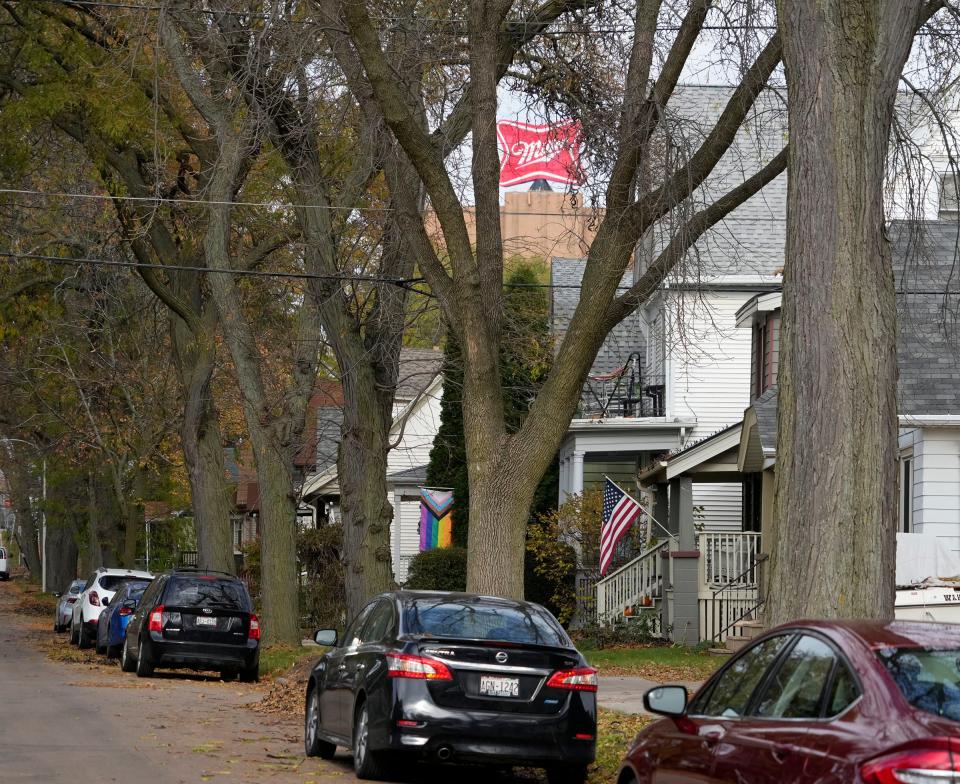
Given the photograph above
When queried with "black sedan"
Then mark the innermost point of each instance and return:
(452, 677)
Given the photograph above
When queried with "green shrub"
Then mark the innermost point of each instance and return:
(441, 569)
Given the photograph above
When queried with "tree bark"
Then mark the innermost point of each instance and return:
(362, 472)
(835, 514)
(194, 357)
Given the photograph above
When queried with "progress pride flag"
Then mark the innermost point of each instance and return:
(539, 152)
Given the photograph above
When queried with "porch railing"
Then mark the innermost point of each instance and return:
(637, 582)
(728, 557)
(739, 599)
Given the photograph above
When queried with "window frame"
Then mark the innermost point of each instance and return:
(387, 632)
(905, 475)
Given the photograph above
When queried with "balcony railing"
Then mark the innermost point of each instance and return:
(625, 392)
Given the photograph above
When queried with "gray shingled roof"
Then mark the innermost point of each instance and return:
(927, 269)
(409, 476)
(418, 367)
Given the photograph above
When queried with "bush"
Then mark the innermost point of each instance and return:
(639, 630)
(441, 569)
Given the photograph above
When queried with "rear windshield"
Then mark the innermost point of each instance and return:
(478, 620)
(207, 592)
(77, 586)
(929, 679)
(135, 590)
(111, 582)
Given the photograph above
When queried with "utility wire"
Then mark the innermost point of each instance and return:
(352, 278)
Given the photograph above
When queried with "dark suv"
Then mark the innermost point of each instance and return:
(196, 619)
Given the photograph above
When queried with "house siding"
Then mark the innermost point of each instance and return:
(722, 504)
(936, 483)
(419, 431)
(405, 537)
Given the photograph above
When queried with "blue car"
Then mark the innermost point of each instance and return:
(115, 617)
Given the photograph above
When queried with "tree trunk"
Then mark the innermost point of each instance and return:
(362, 472)
(61, 555)
(194, 356)
(278, 545)
(835, 514)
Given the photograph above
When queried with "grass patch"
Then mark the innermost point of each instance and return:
(655, 662)
(615, 733)
(277, 659)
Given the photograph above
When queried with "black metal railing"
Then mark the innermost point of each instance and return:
(739, 600)
(629, 392)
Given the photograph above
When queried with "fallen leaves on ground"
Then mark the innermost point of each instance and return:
(662, 673)
(615, 733)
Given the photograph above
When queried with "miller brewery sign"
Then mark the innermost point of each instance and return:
(539, 152)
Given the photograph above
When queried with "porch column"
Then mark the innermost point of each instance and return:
(681, 512)
(563, 484)
(685, 560)
(576, 469)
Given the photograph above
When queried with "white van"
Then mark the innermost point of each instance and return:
(4, 564)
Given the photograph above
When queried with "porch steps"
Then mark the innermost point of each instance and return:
(742, 634)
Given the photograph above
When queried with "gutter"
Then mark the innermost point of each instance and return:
(932, 420)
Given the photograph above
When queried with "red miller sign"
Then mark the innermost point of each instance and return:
(539, 152)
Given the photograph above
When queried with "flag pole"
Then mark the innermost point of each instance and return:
(645, 510)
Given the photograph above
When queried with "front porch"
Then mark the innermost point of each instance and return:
(694, 584)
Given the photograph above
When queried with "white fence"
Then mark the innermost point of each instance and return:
(728, 557)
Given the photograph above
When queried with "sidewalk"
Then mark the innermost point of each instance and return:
(625, 694)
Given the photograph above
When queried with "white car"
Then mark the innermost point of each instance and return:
(101, 586)
(4, 564)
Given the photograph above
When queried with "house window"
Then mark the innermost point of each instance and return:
(949, 194)
(906, 493)
(237, 534)
(766, 345)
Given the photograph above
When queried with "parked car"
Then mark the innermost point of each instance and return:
(4, 564)
(65, 601)
(815, 701)
(99, 590)
(197, 619)
(114, 619)
(453, 677)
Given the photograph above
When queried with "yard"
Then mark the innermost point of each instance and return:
(662, 663)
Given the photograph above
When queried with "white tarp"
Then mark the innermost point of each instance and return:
(922, 557)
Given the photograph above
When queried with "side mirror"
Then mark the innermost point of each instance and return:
(326, 637)
(57, 594)
(666, 700)
(105, 601)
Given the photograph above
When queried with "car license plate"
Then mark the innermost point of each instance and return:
(202, 620)
(496, 686)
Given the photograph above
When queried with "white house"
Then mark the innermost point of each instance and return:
(415, 424)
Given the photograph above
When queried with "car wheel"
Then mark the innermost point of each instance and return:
(367, 763)
(100, 649)
(74, 639)
(126, 660)
(112, 651)
(567, 774)
(315, 745)
(228, 675)
(250, 674)
(144, 667)
(83, 637)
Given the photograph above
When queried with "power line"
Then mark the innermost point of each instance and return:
(352, 278)
(583, 213)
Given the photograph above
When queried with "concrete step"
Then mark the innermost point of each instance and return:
(748, 629)
(734, 644)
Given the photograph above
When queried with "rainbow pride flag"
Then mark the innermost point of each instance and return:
(436, 518)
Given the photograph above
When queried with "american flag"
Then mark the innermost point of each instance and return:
(619, 512)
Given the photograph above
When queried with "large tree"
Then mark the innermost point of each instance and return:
(835, 512)
(505, 467)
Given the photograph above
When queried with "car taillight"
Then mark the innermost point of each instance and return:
(94, 599)
(403, 665)
(156, 619)
(125, 611)
(936, 761)
(580, 679)
(72, 600)
(254, 633)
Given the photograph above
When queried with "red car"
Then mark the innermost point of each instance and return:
(814, 701)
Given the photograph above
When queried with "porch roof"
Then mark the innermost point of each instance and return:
(625, 434)
(712, 459)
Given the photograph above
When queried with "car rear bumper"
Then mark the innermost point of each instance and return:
(484, 736)
(202, 655)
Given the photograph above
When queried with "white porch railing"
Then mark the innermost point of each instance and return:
(633, 583)
(727, 556)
